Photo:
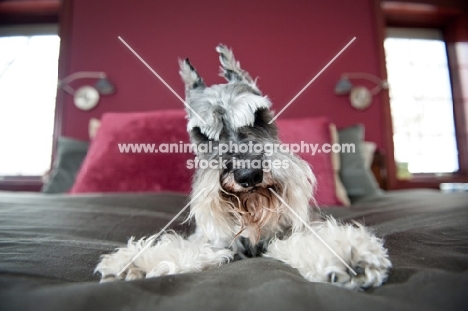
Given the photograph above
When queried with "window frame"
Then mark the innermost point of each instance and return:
(29, 30)
(430, 34)
(450, 20)
(42, 13)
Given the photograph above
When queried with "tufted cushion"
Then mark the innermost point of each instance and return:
(107, 169)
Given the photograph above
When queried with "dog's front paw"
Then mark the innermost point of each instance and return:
(370, 269)
(364, 253)
(119, 265)
(127, 275)
(171, 254)
(111, 267)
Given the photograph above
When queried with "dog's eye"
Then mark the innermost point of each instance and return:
(198, 135)
(262, 119)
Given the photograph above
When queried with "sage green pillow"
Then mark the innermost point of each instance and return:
(357, 178)
(70, 155)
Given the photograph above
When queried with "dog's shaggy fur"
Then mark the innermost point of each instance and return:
(237, 214)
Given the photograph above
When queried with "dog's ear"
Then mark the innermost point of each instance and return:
(190, 76)
(230, 67)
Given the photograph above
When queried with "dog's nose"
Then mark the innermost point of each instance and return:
(248, 177)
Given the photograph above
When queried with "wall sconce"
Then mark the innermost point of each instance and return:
(87, 97)
(359, 96)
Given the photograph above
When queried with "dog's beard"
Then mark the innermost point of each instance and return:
(256, 209)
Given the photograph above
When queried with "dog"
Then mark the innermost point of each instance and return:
(249, 210)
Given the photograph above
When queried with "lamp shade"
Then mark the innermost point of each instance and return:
(104, 86)
(343, 86)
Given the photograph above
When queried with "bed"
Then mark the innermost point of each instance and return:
(51, 243)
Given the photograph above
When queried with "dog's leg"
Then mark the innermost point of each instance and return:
(359, 248)
(171, 254)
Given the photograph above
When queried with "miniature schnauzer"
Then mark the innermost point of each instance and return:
(251, 210)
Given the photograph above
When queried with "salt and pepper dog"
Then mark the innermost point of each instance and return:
(254, 203)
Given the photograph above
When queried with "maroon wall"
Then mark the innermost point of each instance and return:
(284, 43)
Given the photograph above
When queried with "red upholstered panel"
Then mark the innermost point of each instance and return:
(106, 169)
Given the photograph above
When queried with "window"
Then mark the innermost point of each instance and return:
(28, 87)
(421, 102)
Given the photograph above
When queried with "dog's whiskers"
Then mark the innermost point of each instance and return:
(253, 210)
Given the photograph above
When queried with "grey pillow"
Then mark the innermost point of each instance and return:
(355, 175)
(70, 155)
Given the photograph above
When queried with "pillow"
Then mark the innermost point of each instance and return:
(316, 131)
(93, 127)
(341, 193)
(70, 155)
(106, 169)
(355, 174)
(368, 151)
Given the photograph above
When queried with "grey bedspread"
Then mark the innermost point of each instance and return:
(49, 246)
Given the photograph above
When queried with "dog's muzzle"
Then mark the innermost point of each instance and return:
(248, 177)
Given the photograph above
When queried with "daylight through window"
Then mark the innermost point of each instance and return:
(28, 87)
(421, 101)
